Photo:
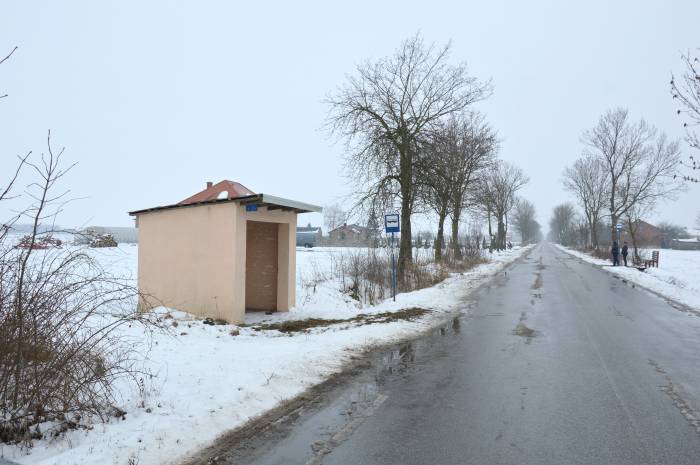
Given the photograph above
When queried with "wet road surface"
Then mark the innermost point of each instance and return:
(554, 362)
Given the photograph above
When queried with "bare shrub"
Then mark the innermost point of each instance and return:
(471, 257)
(601, 253)
(312, 280)
(365, 274)
(61, 322)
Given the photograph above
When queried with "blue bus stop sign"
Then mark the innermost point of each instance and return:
(391, 223)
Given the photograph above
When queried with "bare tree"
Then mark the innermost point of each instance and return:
(437, 189)
(475, 151)
(386, 109)
(640, 164)
(588, 180)
(672, 232)
(457, 152)
(562, 225)
(484, 200)
(3, 60)
(498, 191)
(687, 93)
(524, 221)
(334, 216)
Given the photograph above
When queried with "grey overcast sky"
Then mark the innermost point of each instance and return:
(152, 99)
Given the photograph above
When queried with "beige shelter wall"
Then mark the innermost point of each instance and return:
(187, 259)
(194, 258)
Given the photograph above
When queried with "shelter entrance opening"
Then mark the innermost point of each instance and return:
(261, 266)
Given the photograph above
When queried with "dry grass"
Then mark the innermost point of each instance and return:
(603, 254)
(365, 274)
(296, 326)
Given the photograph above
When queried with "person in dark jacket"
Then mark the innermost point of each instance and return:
(624, 253)
(615, 250)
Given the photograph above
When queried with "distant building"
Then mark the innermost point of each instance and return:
(122, 235)
(686, 244)
(646, 234)
(309, 236)
(352, 235)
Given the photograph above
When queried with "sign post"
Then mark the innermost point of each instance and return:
(619, 227)
(392, 225)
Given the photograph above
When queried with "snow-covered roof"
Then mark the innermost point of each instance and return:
(356, 228)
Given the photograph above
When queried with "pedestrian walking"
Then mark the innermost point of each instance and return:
(624, 253)
(615, 250)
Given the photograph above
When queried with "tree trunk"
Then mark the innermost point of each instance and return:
(405, 256)
(501, 239)
(613, 218)
(488, 213)
(405, 249)
(613, 215)
(505, 231)
(594, 234)
(633, 236)
(456, 249)
(440, 239)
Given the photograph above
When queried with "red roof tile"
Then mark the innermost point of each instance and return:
(230, 189)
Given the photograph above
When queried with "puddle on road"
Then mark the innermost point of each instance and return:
(540, 265)
(323, 419)
(538, 282)
(524, 331)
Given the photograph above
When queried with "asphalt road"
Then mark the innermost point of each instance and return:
(554, 362)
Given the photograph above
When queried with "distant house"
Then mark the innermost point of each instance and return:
(120, 234)
(646, 234)
(686, 244)
(309, 236)
(352, 235)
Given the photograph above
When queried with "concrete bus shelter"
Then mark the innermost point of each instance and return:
(219, 253)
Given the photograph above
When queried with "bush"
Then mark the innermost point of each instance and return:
(61, 317)
(602, 253)
(365, 274)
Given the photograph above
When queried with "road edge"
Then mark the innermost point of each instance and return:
(680, 306)
(292, 408)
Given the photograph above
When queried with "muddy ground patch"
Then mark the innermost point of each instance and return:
(538, 281)
(296, 326)
(524, 331)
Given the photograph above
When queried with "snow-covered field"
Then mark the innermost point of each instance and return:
(206, 381)
(677, 277)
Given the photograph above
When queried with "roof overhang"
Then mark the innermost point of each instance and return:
(261, 200)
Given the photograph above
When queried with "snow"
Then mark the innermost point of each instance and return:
(206, 382)
(677, 277)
